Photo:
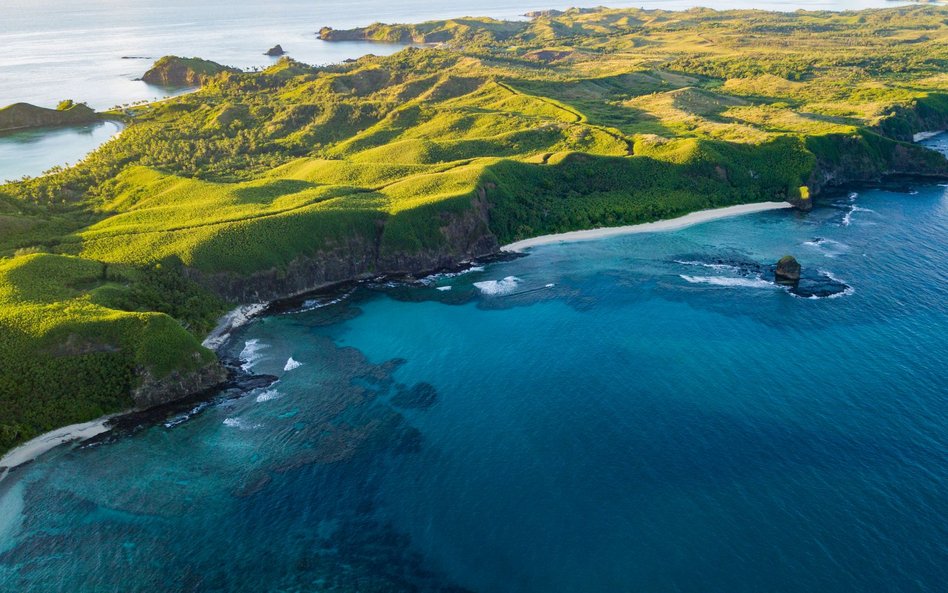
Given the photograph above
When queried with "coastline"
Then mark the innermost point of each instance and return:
(240, 316)
(672, 224)
(32, 449)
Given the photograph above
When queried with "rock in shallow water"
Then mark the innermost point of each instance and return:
(788, 270)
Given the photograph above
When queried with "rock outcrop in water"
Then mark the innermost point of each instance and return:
(181, 72)
(23, 116)
(275, 51)
(788, 270)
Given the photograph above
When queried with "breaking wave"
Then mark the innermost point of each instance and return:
(848, 217)
(498, 287)
(268, 395)
(291, 365)
(251, 354)
(434, 278)
(713, 266)
(757, 282)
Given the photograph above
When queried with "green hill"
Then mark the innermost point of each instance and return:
(21, 116)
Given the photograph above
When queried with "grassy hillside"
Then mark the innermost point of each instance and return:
(269, 183)
(20, 116)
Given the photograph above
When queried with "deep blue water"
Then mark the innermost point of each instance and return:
(661, 419)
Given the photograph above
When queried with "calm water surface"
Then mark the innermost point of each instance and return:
(32, 152)
(661, 418)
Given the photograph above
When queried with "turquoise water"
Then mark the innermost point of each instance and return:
(662, 418)
(32, 152)
(95, 51)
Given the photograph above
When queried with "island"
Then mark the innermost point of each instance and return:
(261, 186)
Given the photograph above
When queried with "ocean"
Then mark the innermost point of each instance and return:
(643, 413)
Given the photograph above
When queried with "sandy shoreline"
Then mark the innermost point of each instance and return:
(30, 450)
(648, 227)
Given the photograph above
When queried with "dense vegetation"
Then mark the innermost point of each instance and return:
(569, 120)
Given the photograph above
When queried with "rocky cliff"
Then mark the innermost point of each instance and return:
(867, 157)
(465, 236)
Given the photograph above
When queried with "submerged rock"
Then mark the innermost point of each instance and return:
(275, 51)
(788, 270)
(420, 396)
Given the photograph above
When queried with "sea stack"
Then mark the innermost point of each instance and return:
(275, 51)
(788, 270)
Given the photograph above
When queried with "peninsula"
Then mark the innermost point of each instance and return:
(23, 116)
(261, 186)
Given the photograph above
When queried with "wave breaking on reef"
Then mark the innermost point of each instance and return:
(498, 287)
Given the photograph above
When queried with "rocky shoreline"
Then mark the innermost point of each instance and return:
(470, 243)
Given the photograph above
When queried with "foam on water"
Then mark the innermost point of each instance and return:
(291, 365)
(848, 291)
(498, 287)
(848, 217)
(268, 395)
(313, 304)
(729, 281)
(713, 266)
(252, 353)
(435, 278)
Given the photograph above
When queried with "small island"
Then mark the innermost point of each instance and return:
(276, 51)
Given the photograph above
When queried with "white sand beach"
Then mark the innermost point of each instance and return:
(30, 450)
(648, 227)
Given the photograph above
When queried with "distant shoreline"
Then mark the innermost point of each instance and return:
(648, 227)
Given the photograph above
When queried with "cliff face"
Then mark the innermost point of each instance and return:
(869, 158)
(178, 385)
(181, 72)
(21, 116)
(466, 235)
(922, 115)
